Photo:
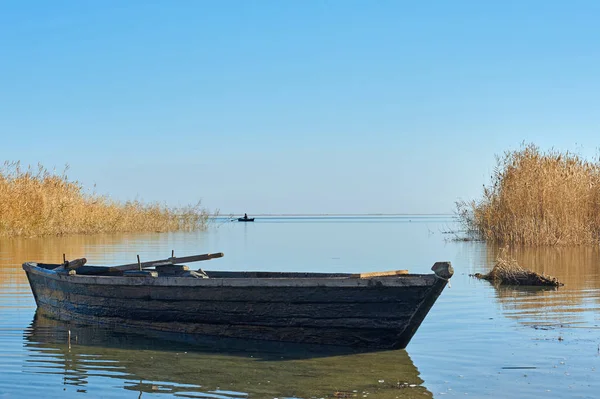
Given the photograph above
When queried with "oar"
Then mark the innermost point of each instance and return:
(169, 261)
(96, 270)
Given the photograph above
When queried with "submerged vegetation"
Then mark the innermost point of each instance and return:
(36, 202)
(537, 198)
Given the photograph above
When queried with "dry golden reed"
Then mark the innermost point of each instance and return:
(35, 202)
(538, 198)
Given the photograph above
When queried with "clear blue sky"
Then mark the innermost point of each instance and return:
(295, 106)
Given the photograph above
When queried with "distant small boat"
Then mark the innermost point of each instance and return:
(370, 310)
(245, 219)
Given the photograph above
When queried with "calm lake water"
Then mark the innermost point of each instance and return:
(477, 341)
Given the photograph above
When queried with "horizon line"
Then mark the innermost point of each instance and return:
(336, 214)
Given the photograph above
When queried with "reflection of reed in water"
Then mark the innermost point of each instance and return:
(15, 251)
(577, 267)
(145, 364)
(98, 249)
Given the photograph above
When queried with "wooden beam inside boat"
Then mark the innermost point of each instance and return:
(71, 265)
(168, 261)
(380, 274)
(74, 264)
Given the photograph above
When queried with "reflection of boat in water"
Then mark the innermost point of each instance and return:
(369, 310)
(97, 358)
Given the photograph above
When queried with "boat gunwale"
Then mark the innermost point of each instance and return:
(348, 281)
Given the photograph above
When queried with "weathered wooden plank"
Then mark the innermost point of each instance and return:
(221, 310)
(152, 315)
(76, 263)
(172, 269)
(140, 273)
(356, 337)
(66, 267)
(318, 280)
(373, 294)
(325, 315)
(260, 274)
(171, 282)
(98, 270)
(101, 270)
(168, 261)
(380, 274)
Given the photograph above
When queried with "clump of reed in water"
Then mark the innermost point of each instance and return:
(37, 203)
(507, 271)
(537, 198)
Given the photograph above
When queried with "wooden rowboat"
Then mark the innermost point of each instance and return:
(370, 310)
(245, 219)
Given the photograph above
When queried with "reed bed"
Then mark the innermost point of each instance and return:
(36, 202)
(537, 198)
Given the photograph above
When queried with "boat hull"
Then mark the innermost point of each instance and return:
(303, 307)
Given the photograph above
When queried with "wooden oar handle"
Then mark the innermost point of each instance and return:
(196, 258)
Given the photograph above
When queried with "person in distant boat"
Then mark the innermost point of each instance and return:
(245, 216)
